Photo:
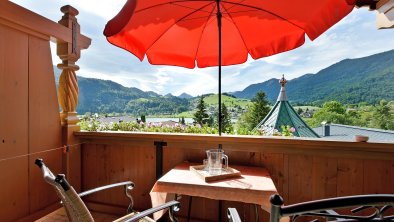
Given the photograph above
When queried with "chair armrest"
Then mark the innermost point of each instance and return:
(232, 215)
(127, 183)
(171, 204)
(128, 186)
(338, 202)
(325, 208)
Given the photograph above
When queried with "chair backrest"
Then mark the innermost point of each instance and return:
(325, 208)
(75, 208)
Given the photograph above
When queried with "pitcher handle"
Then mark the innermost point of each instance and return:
(225, 157)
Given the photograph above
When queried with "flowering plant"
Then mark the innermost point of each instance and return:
(93, 124)
(287, 130)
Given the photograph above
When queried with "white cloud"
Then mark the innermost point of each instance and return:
(104, 9)
(353, 37)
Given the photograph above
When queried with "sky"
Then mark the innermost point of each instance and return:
(354, 36)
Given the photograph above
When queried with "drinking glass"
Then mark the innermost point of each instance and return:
(215, 161)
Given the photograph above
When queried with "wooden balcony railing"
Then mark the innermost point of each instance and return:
(302, 169)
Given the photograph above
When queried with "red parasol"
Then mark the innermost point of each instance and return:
(219, 32)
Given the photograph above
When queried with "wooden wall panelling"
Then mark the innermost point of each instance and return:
(172, 156)
(144, 177)
(300, 178)
(292, 146)
(285, 185)
(14, 201)
(316, 147)
(350, 177)
(195, 155)
(274, 163)
(14, 191)
(116, 170)
(202, 208)
(41, 194)
(324, 179)
(44, 122)
(13, 91)
(243, 158)
(115, 158)
(378, 176)
(119, 163)
(75, 167)
(95, 170)
(247, 212)
(391, 211)
(89, 167)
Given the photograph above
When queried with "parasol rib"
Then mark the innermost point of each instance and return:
(227, 2)
(157, 39)
(202, 32)
(232, 20)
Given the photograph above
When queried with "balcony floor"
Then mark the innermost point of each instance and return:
(61, 216)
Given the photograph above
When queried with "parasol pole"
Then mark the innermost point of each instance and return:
(219, 19)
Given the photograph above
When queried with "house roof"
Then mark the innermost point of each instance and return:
(283, 114)
(348, 133)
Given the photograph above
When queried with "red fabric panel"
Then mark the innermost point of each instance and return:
(116, 24)
(184, 33)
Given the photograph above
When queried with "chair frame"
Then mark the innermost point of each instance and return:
(325, 208)
(60, 182)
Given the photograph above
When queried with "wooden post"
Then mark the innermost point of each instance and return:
(69, 53)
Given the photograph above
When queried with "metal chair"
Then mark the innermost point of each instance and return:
(232, 215)
(77, 211)
(325, 209)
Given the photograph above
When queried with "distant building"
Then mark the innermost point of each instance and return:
(347, 133)
(283, 114)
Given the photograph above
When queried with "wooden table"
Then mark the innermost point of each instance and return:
(255, 186)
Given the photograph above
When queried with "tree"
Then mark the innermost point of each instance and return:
(382, 116)
(299, 111)
(256, 112)
(183, 121)
(332, 112)
(227, 126)
(201, 116)
(335, 107)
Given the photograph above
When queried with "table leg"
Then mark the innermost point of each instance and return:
(256, 208)
(171, 211)
(189, 209)
(220, 211)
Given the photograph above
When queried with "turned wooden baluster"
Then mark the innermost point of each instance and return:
(69, 53)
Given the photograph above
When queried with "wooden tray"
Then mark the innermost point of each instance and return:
(203, 173)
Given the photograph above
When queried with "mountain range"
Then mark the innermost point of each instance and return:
(105, 96)
(368, 79)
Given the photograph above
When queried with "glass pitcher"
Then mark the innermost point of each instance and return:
(215, 161)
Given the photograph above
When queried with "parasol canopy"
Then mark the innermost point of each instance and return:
(205, 33)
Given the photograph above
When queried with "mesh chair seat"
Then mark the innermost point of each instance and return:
(75, 210)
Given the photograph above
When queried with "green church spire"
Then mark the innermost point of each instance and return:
(283, 114)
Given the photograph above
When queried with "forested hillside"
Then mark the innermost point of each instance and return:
(367, 79)
(105, 96)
